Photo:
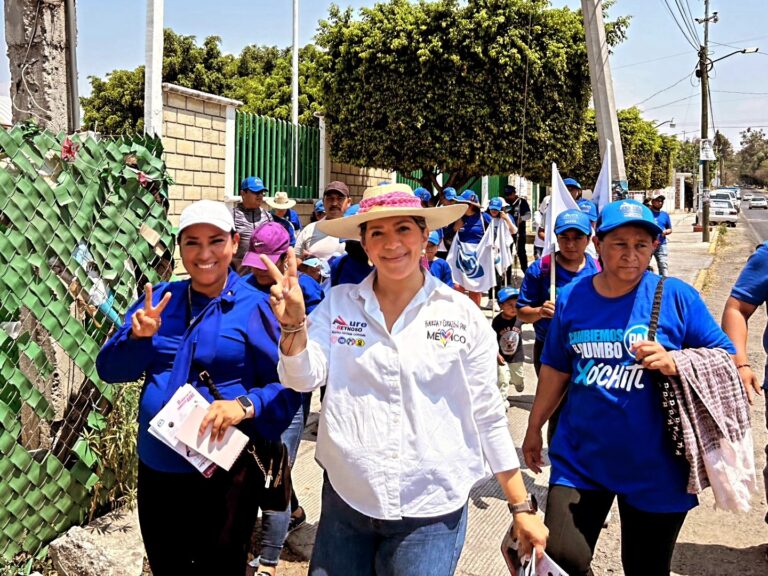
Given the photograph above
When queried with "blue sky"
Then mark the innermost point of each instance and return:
(655, 56)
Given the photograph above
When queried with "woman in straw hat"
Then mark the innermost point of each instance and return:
(283, 213)
(411, 413)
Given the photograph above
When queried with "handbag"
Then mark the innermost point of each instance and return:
(669, 403)
(270, 458)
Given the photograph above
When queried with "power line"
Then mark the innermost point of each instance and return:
(739, 92)
(679, 26)
(690, 74)
(688, 21)
(686, 53)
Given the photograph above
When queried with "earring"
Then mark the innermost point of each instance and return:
(423, 251)
(369, 262)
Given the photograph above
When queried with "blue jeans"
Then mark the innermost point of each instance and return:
(662, 259)
(349, 542)
(274, 525)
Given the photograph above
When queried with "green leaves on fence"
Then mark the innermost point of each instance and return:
(84, 222)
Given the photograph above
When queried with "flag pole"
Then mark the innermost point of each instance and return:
(552, 273)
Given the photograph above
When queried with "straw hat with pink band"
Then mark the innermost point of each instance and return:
(389, 200)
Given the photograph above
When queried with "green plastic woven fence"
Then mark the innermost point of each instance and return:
(84, 225)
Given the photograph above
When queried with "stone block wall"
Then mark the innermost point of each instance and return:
(196, 139)
(358, 179)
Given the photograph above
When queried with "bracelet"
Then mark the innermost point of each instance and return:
(740, 366)
(293, 328)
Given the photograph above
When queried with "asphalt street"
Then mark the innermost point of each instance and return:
(757, 219)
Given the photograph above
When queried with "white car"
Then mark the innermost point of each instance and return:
(758, 202)
(727, 194)
(747, 196)
(721, 211)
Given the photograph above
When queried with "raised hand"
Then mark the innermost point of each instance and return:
(285, 297)
(146, 321)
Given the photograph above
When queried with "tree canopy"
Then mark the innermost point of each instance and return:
(751, 162)
(482, 87)
(649, 157)
(260, 77)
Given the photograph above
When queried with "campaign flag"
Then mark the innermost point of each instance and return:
(502, 240)
(601, 195)
(472, 265)
(561, 201)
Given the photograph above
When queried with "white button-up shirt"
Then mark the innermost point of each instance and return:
(411, 417)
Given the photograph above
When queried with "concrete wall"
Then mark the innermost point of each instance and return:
(196, 134)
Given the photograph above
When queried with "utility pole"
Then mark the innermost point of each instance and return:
(153, 69)
(37, 53)
(73, 95)
(703, 64)
(602, 91)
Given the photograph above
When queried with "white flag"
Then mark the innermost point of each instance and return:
(502, 240)
(601, 195)
(472, 264)
(560, 202)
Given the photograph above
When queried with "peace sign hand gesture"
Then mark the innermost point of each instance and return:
(285, 297)
(146, 321)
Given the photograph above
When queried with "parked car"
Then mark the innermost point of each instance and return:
(721, 211)
(758, 202)
(726, 194)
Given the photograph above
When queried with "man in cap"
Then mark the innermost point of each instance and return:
(521, 213)
(661, 254)
(424, 195)
(311, 240)
(573, 187)
(248, 215)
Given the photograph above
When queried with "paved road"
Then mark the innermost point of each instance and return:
(757, 220)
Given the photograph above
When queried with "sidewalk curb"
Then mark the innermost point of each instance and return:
(702, 276)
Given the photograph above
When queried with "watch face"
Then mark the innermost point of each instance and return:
(245, 402)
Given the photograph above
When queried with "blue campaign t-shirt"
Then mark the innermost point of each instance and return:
(611, 433)
(473, 229)
(752, 288)
(534, 290)
(663, 220)
(441, 270)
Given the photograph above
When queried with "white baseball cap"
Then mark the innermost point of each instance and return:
(207, 212)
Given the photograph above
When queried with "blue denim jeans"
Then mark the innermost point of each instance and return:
(662, 259)
(349, 542)
(274, 525)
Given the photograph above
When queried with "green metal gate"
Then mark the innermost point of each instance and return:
(264, 147)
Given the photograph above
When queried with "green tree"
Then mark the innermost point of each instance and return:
(687, 159)
(648, 156)
(725, 158)
(482, 87)
(260, 77)
(752, 158)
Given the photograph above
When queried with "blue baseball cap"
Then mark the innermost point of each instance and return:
(496, 204)
(352, 210)
(423, 194)
(319, 206)
(253, 184)
(449, 193)
(434, 238)
(572, 182)
(468, 197)
(623, 212)
(506, 293)
(589, 208)
(573, 219)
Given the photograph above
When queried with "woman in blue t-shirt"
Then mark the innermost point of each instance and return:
(610, 441)
(470, 229)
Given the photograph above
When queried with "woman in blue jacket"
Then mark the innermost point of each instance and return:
(212, 322)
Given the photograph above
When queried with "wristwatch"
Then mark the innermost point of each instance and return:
(245, 404)
(527, 506)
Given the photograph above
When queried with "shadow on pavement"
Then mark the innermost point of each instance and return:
(715, 560)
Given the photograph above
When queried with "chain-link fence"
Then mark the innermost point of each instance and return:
(84, 225)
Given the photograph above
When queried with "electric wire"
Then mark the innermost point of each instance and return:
(643, 101)
(680, 26)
